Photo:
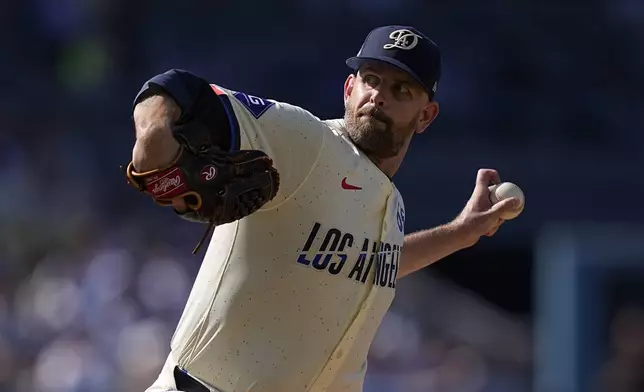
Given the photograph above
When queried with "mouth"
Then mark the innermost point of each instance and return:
(376, 116)
(383, 122)
(371, 117)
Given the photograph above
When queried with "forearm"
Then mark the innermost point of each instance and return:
(166, 101)
(155, 146)
(425, 247)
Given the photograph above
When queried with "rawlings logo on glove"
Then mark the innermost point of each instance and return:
(208, 173)
(169, 183)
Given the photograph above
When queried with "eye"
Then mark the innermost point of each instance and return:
(403, 88)
(371, 80)
(402, 91)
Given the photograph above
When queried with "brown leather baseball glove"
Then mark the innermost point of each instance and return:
(217, 186)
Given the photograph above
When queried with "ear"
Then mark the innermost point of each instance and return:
(427, 116)
(348, 86)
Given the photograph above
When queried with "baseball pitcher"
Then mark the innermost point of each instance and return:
(309, 229)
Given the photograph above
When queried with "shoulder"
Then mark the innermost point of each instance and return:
(266, 118)
(337, 125)
(260, 107)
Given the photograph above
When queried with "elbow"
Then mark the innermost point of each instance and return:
(156, 149)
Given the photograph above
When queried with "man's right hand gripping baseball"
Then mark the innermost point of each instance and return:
(182, 160)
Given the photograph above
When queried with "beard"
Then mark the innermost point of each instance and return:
(374, 132)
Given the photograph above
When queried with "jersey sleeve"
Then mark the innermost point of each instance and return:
(291, 136)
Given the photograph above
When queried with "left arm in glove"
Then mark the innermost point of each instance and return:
(181, 156)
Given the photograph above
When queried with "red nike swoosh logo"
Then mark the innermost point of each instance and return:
(349, 186)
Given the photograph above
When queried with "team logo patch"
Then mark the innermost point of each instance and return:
(403, 39)
(257, 106)
(400, 217)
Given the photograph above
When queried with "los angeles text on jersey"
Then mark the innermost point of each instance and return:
(330, 256)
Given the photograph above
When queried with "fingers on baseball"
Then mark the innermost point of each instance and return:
(487, 177)
(495, 228)
(511, 204)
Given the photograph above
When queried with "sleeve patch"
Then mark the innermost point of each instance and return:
(255, 105)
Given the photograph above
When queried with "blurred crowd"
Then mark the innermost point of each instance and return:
(93, 277)
(100, 320)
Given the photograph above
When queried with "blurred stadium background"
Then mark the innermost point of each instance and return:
(93, 277)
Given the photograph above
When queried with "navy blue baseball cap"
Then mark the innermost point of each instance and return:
(406, 48)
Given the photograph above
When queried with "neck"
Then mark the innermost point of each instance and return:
(389, 166)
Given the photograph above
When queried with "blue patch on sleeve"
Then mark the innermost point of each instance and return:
(257, 106)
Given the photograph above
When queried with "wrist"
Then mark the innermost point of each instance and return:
(464, 236)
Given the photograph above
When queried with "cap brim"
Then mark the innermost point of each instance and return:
(356, 62)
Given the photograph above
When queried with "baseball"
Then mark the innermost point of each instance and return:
(504, 191)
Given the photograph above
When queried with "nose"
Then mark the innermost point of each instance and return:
(378, 98)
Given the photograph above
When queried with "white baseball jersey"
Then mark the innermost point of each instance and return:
(289, 298)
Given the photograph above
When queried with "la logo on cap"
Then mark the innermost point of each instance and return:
(403, 39)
